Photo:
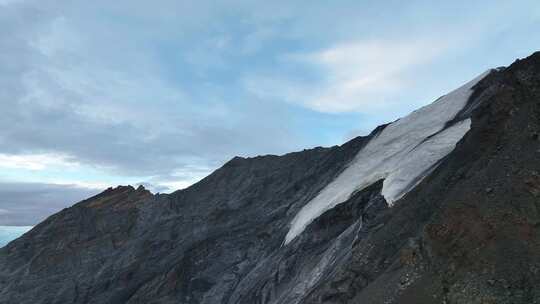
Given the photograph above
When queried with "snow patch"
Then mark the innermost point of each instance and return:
(402, 154)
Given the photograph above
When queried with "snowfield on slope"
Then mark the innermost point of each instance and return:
(402, 154)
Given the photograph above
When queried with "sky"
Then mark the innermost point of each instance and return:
(8, 233)
(99, 93)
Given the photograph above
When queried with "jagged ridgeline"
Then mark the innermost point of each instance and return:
(441, 206)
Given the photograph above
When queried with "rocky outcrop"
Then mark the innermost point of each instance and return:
(196, 245)
(468, 233)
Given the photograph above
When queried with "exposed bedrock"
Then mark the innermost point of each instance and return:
(466, 231)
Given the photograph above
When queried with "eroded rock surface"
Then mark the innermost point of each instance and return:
(468, 233)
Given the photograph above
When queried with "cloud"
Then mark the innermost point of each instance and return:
(365, 76)
(164, 93)
(361, 76)
(34, 162)
(101, 95)
(29, 203)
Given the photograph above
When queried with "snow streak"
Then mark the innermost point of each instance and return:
(402, 154)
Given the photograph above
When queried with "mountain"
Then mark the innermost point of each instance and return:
(441, 206)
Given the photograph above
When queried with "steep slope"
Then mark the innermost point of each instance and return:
(462, 229)
(469, 233)
(402, 154)
(193, 246)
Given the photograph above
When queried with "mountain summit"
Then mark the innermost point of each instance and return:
(441, 206)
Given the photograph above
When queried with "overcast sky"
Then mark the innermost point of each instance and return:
(101, 93)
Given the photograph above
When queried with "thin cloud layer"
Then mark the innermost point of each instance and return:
(364, 76)
(116, 109)
(25, 204)
(100, 93)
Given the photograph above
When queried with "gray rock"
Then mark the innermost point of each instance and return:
(221, 240)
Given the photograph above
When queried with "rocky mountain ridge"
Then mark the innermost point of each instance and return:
(466, 233)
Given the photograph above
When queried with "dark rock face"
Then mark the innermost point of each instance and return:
(450, 240)
(196, 245)
(469, 233)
